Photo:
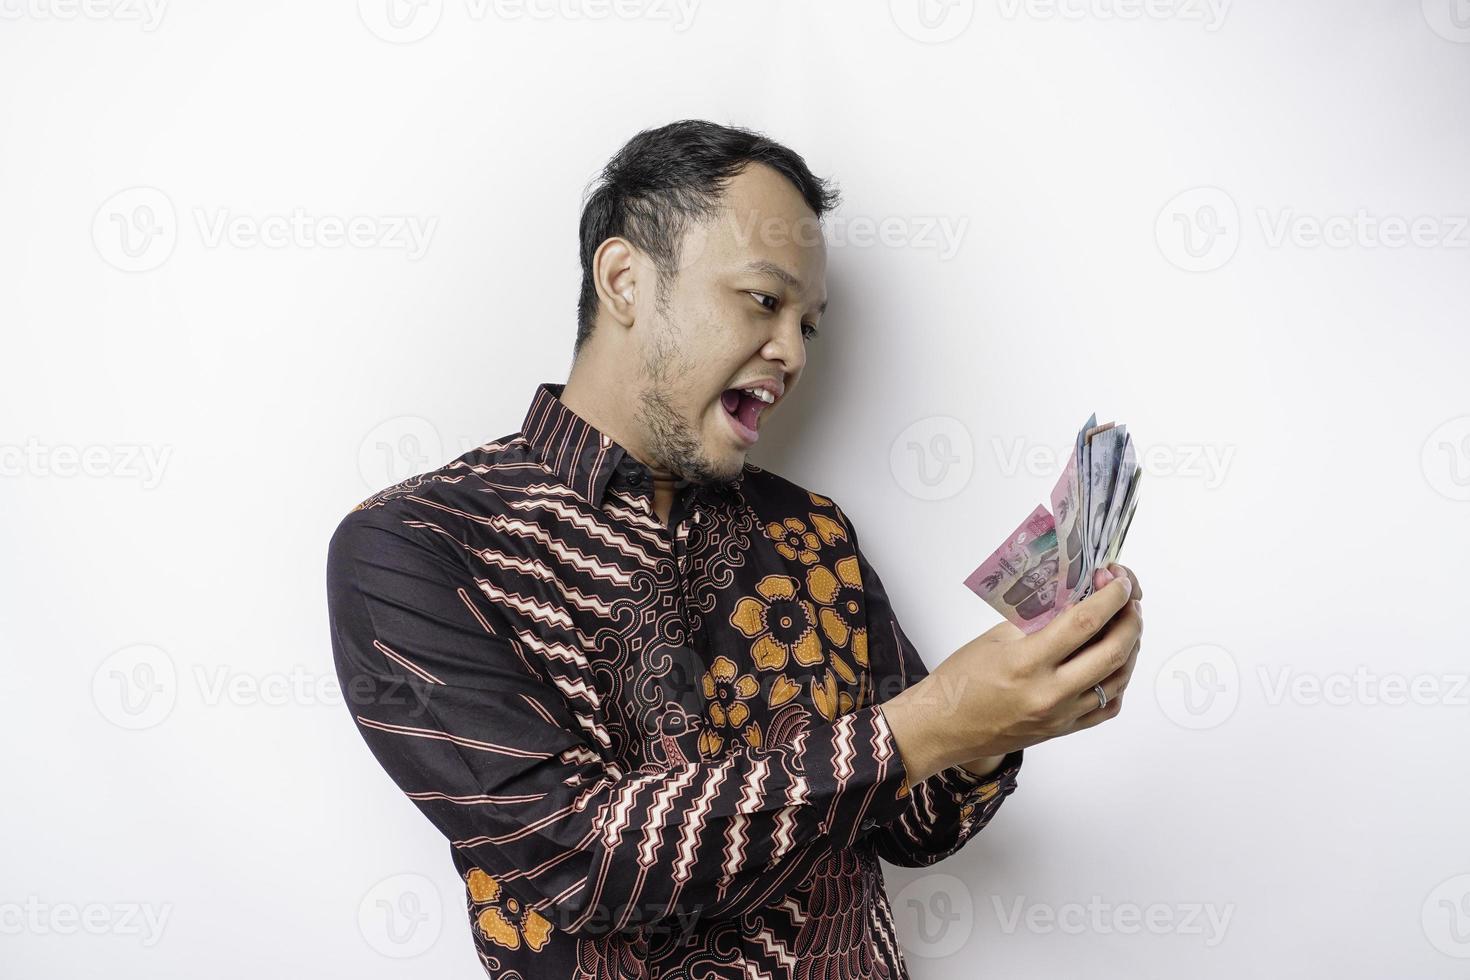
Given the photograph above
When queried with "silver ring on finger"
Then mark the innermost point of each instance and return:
(1102, 696)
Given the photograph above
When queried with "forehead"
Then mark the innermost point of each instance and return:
(765, 226)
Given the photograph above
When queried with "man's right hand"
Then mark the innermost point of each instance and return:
(1005, 690)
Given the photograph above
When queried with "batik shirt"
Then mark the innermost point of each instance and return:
(655, 750)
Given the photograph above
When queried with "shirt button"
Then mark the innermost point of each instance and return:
(635, 478)
(868, 824)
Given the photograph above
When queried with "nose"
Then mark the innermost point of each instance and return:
(787, 347)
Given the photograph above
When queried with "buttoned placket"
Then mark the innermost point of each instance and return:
(686, 507)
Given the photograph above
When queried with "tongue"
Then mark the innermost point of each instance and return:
(742, 406)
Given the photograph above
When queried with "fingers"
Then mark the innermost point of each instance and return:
(1113, 685)
(1109, 650)
(1124, 569)
(1097, 715)
(1076, 626)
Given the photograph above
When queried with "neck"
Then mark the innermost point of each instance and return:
(601, 398)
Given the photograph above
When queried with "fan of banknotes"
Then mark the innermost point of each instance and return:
(1046, 565)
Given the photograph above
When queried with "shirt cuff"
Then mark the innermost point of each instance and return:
(961, 781)
(883, 773)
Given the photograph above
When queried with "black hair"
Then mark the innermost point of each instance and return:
(662, 180)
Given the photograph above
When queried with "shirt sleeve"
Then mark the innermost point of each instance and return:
(493, 747)
(952, 806)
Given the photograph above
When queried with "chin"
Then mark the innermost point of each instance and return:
(728, 467)
(722, 464)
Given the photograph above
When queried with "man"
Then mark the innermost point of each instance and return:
(654, 695)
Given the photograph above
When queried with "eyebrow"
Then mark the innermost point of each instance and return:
(765, 267)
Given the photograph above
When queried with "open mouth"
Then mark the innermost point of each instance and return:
(744, 412)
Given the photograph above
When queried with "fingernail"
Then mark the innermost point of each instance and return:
(1105, 575)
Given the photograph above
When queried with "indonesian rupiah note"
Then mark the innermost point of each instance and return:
(1046, 565)
(1020, 577)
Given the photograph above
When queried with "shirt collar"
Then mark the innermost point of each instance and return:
(585, 458)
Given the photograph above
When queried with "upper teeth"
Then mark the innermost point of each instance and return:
(760, 393)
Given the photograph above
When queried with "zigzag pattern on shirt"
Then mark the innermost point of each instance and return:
(637, 514)
(539, 611)
(594, 728)
(663, 804)
(525, 529)
(776, 949)
(591, 526)
(784, 838)
(583, 562)
(735, 834)
(574, 596)
(694, 823)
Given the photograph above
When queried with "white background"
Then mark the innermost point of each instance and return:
(1131, 192)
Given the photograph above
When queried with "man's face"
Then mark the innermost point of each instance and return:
(751, 285)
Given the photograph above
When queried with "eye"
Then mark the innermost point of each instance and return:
(809, 331)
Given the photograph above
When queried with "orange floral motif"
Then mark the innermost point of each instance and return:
(828, 529)
(727, 694)
(781, 623)
(504, 920)
(793, 540)
(783, 689)
(829, 701)
(982, 794)
(840, 597)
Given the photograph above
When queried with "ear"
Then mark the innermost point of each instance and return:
(615, 274)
